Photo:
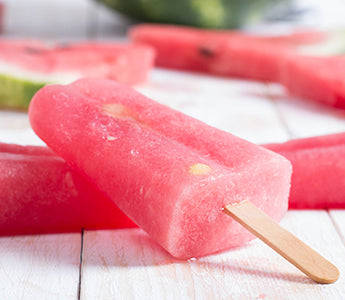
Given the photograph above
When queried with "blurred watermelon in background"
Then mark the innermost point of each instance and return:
(200, 13)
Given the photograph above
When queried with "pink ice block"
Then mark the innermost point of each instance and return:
(170, 173)
(318, 171)
(41, 194)
(319, 79)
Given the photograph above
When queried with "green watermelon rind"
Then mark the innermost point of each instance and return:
(199, 13)
(16, 93)
(334, 45)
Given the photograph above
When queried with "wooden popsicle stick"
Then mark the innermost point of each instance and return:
(282, 241)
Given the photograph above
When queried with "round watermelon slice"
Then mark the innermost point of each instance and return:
(25, 66)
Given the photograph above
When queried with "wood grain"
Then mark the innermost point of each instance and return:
(40, 267)
(127, 264)
(303, 118)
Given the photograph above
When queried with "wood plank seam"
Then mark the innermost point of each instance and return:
(280, 115)
(336, 227)
(81, 263)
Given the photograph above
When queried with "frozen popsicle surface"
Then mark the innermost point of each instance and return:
(320, 79)
(318, 171)
(41, 194)
(170, 173)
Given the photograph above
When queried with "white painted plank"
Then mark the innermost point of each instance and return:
(305, 118)
(338, 217)
(127, 264)
(15, 128)
(40, 267)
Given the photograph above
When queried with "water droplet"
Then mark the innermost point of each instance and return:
(134, 152)
(110, 138)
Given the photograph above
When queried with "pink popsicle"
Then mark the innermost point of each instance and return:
(318, 171)
(168, 172)
(320, 79)
(41, 194)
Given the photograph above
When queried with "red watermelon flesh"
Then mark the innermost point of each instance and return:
(226, 53)
(35, 60)
(41, 194)
(321, 79)
(318, 180)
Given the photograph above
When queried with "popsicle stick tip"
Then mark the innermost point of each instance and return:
(283, 242)
(331, 276)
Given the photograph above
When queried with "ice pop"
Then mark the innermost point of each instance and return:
(318, 171)
(41, 194)
(320, 79)
(171, 174)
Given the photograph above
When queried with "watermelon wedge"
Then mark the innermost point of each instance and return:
(25, 66)
(41, 194)
(215, 52)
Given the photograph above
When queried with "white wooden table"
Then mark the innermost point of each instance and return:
(127, 264)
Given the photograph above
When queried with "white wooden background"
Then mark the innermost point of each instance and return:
(127, 264)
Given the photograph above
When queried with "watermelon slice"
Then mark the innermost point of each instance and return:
(230, 53)
(41, 194)
(216, 52)
(25, 66)
(321, 79)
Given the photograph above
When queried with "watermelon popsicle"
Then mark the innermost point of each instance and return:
(173, 175)
(320, 79)
(318, 170)
(41, 194)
